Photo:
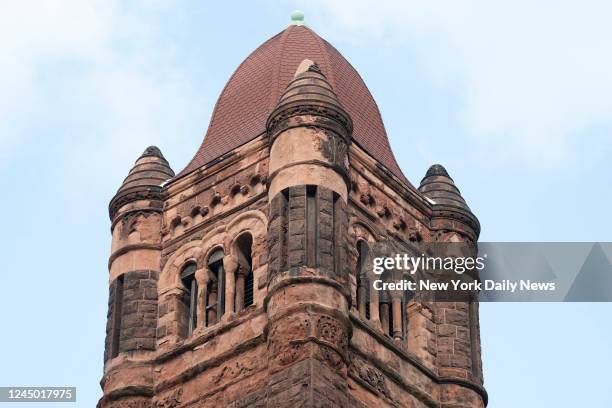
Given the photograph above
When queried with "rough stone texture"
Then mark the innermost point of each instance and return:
(138, 310)
(111, 320)
(139, 307)
(307, 195)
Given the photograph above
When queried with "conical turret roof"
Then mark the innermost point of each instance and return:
(440, 187)
(310, 89)
(150, 170)
(144, 180)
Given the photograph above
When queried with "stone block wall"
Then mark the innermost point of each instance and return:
(307, 227)
(132, 311)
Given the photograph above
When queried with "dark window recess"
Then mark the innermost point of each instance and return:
(338, 234)
(215, 288)
(362, 280)
(244, 283)
(284, 232)
(367, 299)
(311, 226)
(117, 312)
(390, 319)
(191, 285)
(248, 290)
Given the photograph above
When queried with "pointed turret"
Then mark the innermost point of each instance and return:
(309, 132)
(448, 204)
(309, 93)
(440, 187)
(144, 181)
(136, 215)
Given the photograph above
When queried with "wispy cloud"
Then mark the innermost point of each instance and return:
(96, 80)
(535, 76)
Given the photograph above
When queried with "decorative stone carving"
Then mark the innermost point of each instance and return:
(367, 199)
(133, 403)
(383, 211)
(172, 400)
(371, 375)
(331, 331)
(233, 371)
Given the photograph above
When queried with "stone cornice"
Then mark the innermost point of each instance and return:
(337, 168)
(307, 114)
(408, 193)
(204, 224)
(127, 248)
(181, 183)
(154, 194)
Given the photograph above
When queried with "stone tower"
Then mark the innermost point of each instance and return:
(241, 281)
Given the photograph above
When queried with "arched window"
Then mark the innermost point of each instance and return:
(363, 288)
(191, 299)
(215, 288)
(244, 273)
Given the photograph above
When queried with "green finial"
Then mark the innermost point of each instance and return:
(297, 18)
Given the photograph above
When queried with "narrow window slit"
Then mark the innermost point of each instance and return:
(311, 226)
(117, 312)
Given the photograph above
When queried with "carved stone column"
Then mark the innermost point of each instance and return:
(384, 317)
(230, 288)
(211, 317)
(202, 280)
(361, 301)
(240, 278)
(397, 318)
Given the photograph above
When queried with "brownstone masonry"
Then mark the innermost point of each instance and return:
(242, 282)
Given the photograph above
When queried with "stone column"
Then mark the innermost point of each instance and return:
(397, 318)
(240, 277)
(384, 317)
(374, 307)
(212, 299)
(230, 266)
(202, 280)
(361, 301)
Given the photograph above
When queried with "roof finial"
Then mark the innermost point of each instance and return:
(297, 18)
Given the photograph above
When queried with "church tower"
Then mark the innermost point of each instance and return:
(243, 280)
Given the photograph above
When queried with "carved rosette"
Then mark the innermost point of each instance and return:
(303, 335)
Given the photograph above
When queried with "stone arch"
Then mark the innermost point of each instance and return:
(253, 221)
(196, 251)
(169, 277)
(255, 224)
(360, 229)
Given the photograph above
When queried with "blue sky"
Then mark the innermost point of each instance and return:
(512, 97)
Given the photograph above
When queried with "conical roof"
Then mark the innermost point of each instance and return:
(254, 90)
(310, 88)
(150, 170)
(440, 187)
(144, 180)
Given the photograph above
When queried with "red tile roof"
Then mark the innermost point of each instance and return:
(256, 86)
